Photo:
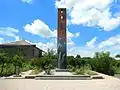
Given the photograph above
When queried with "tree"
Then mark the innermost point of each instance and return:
(78, 56)
(46, 60)
(3, 59)
(71, 61)
(102, 62)
(117, 56)
(17, 61)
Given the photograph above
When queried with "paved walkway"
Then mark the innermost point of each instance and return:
(109, 83)
(23, 84)
(107, 77)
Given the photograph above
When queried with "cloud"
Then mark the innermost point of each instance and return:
(77, 34)
(27, 1)
(38, 27)
(82, 51)
(114, 40)
(1, 40)
(91, 13)
(45, 46)
(91, 43)
(112, 45)
(71, 50)
(11, 32)
(41, 29)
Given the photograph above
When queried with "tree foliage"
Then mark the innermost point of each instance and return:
(102, 62)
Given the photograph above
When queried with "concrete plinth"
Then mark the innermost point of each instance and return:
(63, 77)
(63, 74)
(62, 70)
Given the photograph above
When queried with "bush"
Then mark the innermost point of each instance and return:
(79, 71)
(48, 69)
(8, 70)
(26, 66)
(102, 62)
(89, 72)
(35, 71)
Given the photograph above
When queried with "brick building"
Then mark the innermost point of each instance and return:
(30, 51)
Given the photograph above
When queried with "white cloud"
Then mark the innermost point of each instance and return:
(45, 46)
(77, 34)
(112, 45)
(82, 51)
(91, 43)
(27, 1)
(115, 40)
(11, 32)
(110, 24)
(91, 13)
(38, 27)
(71, 50)
(1, 40)
(69, 34)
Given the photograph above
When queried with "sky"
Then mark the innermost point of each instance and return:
(92, 25)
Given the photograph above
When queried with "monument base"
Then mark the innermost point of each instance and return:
(63, 77)
(62, 74)
(62, 70)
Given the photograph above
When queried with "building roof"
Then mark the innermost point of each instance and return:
(21, 42)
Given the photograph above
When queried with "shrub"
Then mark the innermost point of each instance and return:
(102, 62)
(48, 69)
(35, 71)
(89, 72)
(79, 71)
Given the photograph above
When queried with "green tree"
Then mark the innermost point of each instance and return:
(3, 59)
(46, 60)
(102, 62)
(17, 61)
(71, 61)
(117, 56)
(78, 56)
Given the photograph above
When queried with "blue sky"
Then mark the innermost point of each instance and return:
(92, 25)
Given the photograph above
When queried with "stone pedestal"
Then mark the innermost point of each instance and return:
(62, 70)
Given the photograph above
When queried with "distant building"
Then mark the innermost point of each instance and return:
(29, 51)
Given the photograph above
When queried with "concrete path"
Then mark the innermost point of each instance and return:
(32, 84)
(109, 83)
(107, 77)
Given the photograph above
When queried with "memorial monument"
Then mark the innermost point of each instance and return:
(61, 39)
(62, 73)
